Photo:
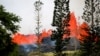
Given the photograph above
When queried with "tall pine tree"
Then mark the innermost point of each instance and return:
(38, 5)
(91, 43)
(60, 21)
(8, 27)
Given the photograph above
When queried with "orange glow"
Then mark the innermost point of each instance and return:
(32, 38)
(83, 31)
(65, 36)
(75, 31)
(21, 39)
(73, 25)
(45, 34)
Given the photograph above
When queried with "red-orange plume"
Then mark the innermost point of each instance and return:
(21, 39)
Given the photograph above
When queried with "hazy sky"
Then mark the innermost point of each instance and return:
(25, 9)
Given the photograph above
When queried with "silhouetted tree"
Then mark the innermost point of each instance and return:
(60, 21)
(38, 5)
(8, 26)
(91, 43)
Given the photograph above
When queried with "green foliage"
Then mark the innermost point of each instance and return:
(8, 26)
(91, 43)
(60, 20)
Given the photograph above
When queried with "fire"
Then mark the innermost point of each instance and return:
(45, 34)
(21, 39)
(73, 26)
(83, 31)
(75, 31)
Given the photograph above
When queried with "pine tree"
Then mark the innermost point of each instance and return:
(91, 43)
(8, 27)
(38, 5)
(60, 21)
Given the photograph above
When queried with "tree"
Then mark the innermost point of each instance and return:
(38, 8)
(91, 43)
(8, 26)
(60, 21)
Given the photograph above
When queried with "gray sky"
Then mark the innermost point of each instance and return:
(25, 9)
